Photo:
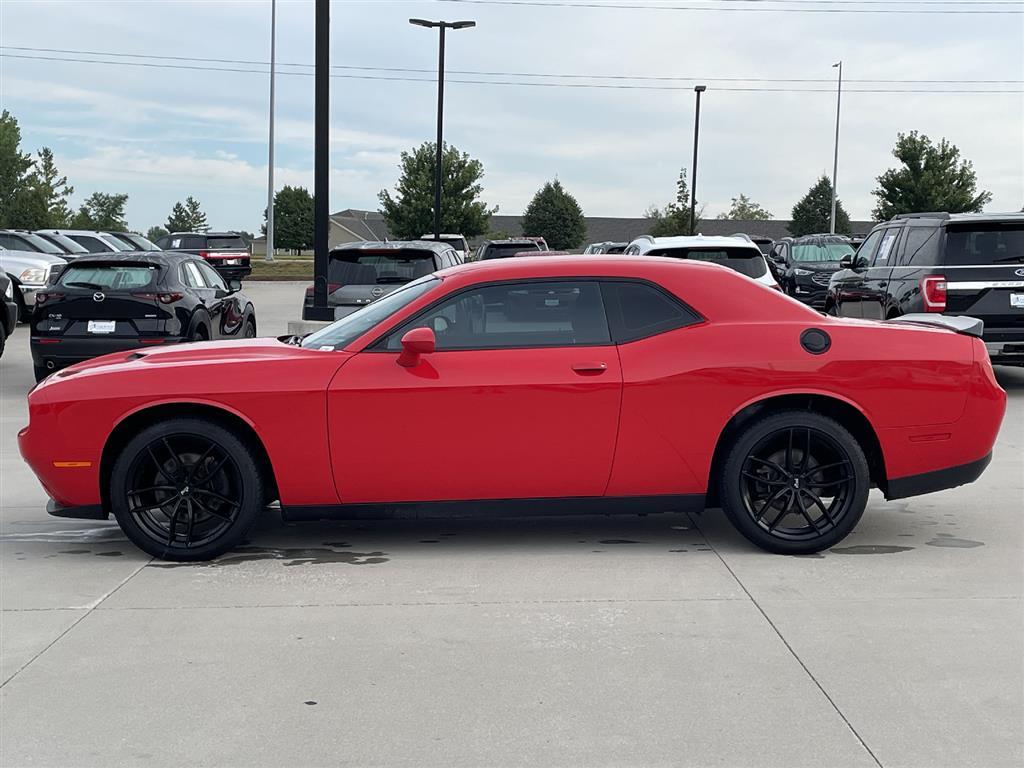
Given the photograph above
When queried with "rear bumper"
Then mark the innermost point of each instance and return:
(67, 351)
(89, 512)
(231, 272)
(1004, 345)
(937, 480)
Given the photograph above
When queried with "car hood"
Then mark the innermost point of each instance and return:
(817, 266)
(201, 353)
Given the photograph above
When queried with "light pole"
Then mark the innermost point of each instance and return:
(693, 179)
(269, 256)
(442, 26)
(835, 159)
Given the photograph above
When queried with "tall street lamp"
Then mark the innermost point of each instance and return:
(442, 26)
(693, 179)
(835, 159)
(269, 256)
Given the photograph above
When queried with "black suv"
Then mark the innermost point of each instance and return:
(804, 265)
(227, 252)
(109, 303)
(503, 249)
(956, 264)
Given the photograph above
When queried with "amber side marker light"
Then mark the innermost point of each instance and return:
(72, 464)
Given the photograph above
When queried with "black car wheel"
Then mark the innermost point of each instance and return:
(795, 482)
(250, 329)
(186, 489)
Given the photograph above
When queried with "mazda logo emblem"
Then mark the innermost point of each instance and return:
(1019, 272)
(98, 296)
(377, 292)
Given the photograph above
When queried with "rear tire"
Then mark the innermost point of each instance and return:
(186, 489)
(199, 334)
(795, 482)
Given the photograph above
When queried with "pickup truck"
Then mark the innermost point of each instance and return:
(227, 252)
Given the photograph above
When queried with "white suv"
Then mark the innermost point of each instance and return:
(737, 253)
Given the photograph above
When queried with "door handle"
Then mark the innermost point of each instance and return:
(584, 368)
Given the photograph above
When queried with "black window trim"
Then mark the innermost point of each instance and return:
(379, 344)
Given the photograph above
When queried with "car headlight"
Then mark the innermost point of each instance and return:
(34, 275)
(9, 291)
(799, 271)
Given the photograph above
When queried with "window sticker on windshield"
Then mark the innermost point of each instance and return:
(176, 242)
(885, 247)
(325, 349)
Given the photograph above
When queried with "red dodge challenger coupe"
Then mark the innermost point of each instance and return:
(554, 384)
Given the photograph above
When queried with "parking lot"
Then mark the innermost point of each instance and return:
(658, 640)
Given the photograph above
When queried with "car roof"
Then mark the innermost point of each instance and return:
(513, 241)
(388, 245)
(813, 239)
(159, 257)
(597, 265)
(694, 241)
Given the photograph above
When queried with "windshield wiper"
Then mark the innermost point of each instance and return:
(392, 280)
(1019, 257)
(83, 284)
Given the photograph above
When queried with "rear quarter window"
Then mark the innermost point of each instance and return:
(637, 310)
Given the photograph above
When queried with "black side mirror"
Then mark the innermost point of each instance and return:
(234, 286)
(846, 262)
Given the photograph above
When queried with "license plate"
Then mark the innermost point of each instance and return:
(102, 326)
(232, 262)
(1017, 300)
(551, 302)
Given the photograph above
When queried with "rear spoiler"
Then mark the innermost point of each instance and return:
(969, 326)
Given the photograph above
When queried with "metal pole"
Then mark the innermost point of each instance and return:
(693, 178)
(321, 159)
(835, 160)
(270, 163)
(438, 175)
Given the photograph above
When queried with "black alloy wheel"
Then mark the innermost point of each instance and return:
(795, 482)
(186, 489)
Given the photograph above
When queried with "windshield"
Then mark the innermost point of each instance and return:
(985, 244)
(108, 277)
(504, 250)
(746, 261)
(810, 252)
(372, 267)
(343, 332)
(217, 242)
(65, 242)
(41, 243)
(456, 242)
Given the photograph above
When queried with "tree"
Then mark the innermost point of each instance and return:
(155, 233)
(555, 215)
(15, 175)
(293, 218)
(410, 212)
(932, 178)
(674, 218)
(813, 214)
(187, 217)
(54, 190)
(745, 209)
(102, 211)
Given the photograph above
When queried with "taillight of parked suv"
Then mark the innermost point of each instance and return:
(933, 291)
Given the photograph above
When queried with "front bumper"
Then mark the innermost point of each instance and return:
(88, 512)
(54, 353)
(810, 294)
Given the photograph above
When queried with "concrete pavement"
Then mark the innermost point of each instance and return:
(613, 641)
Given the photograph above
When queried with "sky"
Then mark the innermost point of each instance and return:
(160, 134)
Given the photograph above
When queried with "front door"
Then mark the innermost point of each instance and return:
(848, 285)
(875, 291)
(520, 400)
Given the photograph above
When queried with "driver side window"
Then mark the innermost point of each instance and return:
(515, 315)
(867, 250)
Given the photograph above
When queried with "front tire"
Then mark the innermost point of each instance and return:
(795, 482)
(186, 489)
